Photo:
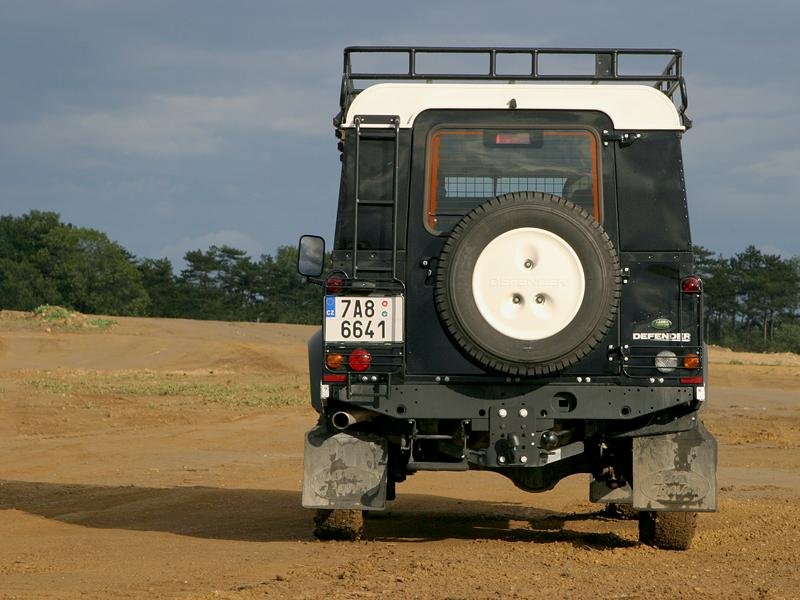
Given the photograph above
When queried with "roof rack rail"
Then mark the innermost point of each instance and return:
(668, 80)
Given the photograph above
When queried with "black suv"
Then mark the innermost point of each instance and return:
(511, 288)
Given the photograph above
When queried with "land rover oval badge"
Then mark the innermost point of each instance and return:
(661, 323)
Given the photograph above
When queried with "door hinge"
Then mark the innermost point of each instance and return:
(624, 139)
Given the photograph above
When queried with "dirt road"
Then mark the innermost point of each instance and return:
(159, 458)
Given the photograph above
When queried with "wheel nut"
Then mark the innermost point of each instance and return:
(539, 298)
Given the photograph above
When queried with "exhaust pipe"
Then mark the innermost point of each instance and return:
(343, 419)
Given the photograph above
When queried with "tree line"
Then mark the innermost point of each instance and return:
(752, 299)
(45, 261)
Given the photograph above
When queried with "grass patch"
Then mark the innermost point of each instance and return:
(279, 389)
(52, 313)
(49, 318)
(100, 323)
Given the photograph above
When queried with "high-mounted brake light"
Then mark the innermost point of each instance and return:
(360, 360)
(513, 138)
(691, 285)
(334, 284)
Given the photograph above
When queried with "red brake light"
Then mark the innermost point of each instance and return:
(334, 284)
(513, 138)
(691, 285)
(691, 380)
(360, 360)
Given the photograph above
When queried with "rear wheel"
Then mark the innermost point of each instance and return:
(339, 524)
(667, 530)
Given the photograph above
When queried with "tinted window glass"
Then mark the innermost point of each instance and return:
(466, 167)
(376, 173)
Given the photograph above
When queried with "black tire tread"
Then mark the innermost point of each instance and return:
(339, 524)
(667, 530)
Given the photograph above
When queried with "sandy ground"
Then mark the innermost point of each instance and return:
(154, 460)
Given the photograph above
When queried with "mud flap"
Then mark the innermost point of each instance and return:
(675, 471)
(344, 470)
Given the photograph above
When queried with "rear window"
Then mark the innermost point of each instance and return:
(468, 166)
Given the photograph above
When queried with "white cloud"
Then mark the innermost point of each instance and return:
(776, 164)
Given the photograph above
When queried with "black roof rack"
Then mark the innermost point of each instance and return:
(668, 80)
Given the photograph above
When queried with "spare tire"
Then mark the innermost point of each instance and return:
(527, 284)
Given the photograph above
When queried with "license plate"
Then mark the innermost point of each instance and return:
(363, 318)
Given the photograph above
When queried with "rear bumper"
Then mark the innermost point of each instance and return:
(483, 403)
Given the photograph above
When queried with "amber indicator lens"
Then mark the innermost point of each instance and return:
(334, 360)
(691, 361)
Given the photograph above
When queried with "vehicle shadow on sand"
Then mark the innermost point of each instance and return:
(481, 520)
(276, 515)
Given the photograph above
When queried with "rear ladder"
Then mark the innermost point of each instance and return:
(392, 124)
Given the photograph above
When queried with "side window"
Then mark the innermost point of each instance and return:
(376, 179)
(466, 167)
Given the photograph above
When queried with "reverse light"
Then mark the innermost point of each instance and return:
(334, 360)
(666, 361)
(334, 284)
(691, 285)
(691, 361)
(360, 360)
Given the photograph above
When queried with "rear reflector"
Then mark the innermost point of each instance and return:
(331, 378)
(694, 380)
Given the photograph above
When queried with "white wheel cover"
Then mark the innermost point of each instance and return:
(528, 283)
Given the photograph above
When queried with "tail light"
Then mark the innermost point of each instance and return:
(334, 284)
(696, 380)
(360, 360)
(691, 285)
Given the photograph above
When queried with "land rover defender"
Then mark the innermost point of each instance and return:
(511, 286)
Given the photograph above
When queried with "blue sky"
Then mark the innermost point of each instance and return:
(175, 125)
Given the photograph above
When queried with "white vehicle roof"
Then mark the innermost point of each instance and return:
(630, 107)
